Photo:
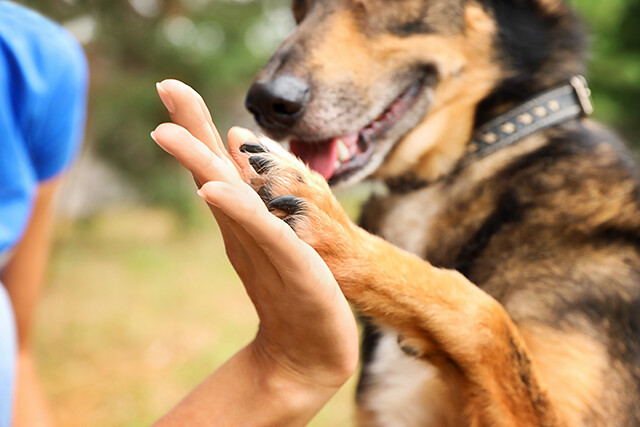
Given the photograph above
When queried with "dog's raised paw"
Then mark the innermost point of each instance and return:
(294, 193)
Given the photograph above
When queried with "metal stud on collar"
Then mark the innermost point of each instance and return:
(583, 93)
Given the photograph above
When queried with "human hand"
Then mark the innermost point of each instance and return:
(307, 332)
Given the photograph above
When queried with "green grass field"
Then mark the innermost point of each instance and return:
(139, 309)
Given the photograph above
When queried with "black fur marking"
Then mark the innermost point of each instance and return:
(250, 147)
(260, 164)
(406, 29)
(444, 17)
(617, 235)
(620, 320)
(370, 337)
(523, 365)
(508, 210)
(298, 176)
(291, 221)
(521, 361)
(530, 43)
(406, 183)
(523, 33)
(289, 204)
(557, 148)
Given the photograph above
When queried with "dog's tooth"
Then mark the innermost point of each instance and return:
(337, 165)
(344, 153)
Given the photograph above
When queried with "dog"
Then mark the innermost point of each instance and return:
(498, 275)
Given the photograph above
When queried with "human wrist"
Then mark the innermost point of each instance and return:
(297, 392)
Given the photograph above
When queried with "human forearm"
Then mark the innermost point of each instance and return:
(23, 276)
(23, 279)
(250, 391)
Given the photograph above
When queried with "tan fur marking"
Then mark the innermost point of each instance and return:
(571, 365)
(351, 51)
(552, 6)
(443, 134)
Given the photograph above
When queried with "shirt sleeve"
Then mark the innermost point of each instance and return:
(47, 85)
(55, 135)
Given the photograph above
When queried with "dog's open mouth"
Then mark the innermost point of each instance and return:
(343, 155)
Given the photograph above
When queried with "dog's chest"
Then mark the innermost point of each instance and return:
(434, 222)
(405, 392)
(407, 221)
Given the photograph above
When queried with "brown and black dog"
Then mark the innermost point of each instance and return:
(498, 286)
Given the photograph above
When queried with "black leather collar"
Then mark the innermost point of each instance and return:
(554, 106)
(547, 109)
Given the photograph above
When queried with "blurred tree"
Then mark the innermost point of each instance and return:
(615, 67)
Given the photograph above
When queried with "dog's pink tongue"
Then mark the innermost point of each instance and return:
(321, 156)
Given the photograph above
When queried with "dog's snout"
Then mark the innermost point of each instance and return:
(279, 103)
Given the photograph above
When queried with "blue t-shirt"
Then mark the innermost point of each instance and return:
(43, 81)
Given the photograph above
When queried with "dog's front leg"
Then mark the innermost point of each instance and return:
(441, 316)
(447, 320)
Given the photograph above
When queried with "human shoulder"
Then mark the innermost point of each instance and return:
(46, 72)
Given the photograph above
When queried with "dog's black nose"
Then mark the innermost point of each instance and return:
(278, 103)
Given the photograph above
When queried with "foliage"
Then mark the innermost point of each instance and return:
(615, 63)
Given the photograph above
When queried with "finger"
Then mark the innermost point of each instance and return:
(275, 237)
(204, 166)
(258, 274)
(194, 155)
(237, 137)
(286, 265)
(240, 254)
(187, 109)
(253, 266)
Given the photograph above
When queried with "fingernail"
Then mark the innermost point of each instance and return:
(201, 194)
(153, 136)
(165, 98)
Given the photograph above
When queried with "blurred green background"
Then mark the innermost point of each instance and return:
(141, 303)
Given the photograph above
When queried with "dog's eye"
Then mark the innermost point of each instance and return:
(299, 8)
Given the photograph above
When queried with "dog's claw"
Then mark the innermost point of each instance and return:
(251, 147)
(265, 193)
(410, 347)
(260, 164)
(289, 204)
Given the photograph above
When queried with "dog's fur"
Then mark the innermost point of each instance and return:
(504, 293)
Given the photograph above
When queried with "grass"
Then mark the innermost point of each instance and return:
(137, 311)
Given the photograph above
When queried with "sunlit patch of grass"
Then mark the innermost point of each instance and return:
(137, 311)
